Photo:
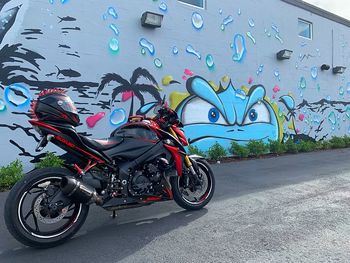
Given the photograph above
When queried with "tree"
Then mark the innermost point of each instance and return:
(131, 86)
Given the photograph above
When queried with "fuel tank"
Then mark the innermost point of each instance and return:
(138, 139)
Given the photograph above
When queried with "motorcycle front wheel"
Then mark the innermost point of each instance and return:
(30, 216)
(192, 198)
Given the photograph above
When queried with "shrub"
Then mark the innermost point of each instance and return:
(216, 152)
(291, 147)
(276, 147)
(346, 140)
(319, 145)
(306, 146)
(195, 150)
(10, 174)
(50, 160)
(239, 150)
(326, 145)
(337, 142)
(257, 148)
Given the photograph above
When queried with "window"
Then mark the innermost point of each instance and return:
(198, 3)
(305, 28)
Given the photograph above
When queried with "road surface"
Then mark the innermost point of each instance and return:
(288, 209)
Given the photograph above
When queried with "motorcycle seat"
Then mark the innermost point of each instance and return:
(101, 144)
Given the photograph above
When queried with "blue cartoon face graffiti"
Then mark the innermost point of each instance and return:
(211, 116)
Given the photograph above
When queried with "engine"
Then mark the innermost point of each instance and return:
(147, 181)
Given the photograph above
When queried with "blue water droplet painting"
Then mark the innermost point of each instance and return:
(144, 43)
(2, 105)
(251, 22)
(227, 20)
(114, 29)
(314, 72)
(112, 12)
(251, 37)
(158, 63)
(175, 50)
(275, 28)
(210, 61)
(260, 69)
(239, 48)
(278, 37)
(17, 95)
(302, 83)
(197, 21)
(192, 51)
(163, 7)
(118, 117)
(114, 45)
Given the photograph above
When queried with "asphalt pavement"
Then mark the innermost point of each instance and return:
(292, 208)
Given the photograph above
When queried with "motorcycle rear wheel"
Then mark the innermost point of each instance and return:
(24, 225)
(200, 198)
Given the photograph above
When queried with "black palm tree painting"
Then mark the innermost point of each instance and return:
(127, 86)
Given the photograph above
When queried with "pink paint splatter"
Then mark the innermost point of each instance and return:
(301, 117)
(127, 96)
(276, 89)
(184, 77)
(188, 72)
(250, 80)
(274, 96)
(92, 120)
(297, 131)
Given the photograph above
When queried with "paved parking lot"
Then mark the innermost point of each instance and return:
(287, 209)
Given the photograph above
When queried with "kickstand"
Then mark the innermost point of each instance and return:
(114, 215)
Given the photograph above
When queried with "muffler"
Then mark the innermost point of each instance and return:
(79, 192)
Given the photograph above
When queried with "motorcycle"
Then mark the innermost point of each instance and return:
(143, 162)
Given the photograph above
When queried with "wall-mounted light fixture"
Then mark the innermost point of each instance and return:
(325, 67)
(339, 70)
(151, 20)
(284, 54)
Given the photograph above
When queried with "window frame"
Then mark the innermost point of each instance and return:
(311, 27)
(196, 6)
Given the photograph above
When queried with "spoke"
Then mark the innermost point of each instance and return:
(70, 208)
(37, 191)
(31, 212)
(36, 223)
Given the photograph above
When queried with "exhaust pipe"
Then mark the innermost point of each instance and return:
(79, 192)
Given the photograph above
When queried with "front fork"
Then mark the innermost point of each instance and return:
(188, 162)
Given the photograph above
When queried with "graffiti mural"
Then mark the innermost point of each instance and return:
(226, 115)
(112, 67)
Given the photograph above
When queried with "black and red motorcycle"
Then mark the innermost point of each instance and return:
(143, 162)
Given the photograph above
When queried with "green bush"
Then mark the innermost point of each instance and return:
(216, 152)
(306, 146)
(276, 147)
(50, 160)
(239, 150)
(291, 146)
(346, 141)
(319, 145)
(10, 174)
(195, 150)
(337, 142)
(257, 148)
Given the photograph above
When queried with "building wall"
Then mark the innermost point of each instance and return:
(248, 94)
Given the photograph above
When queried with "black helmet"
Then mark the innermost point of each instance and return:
(54, 105)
